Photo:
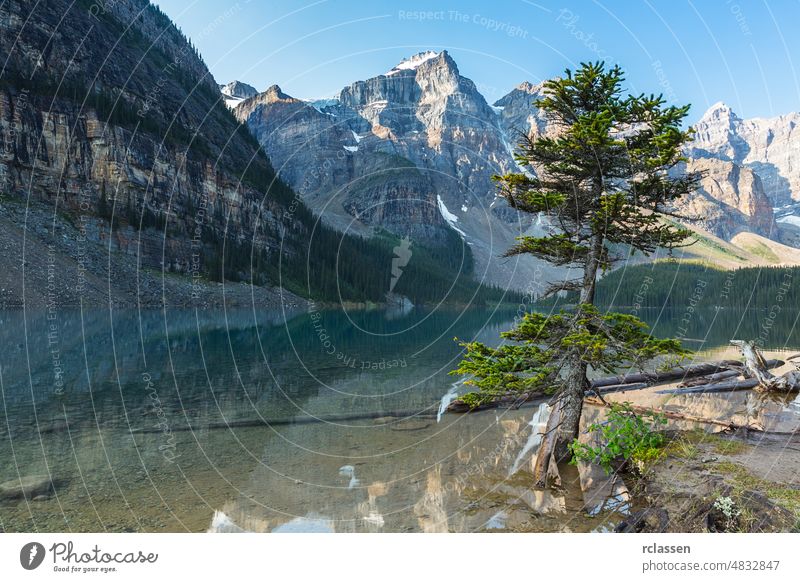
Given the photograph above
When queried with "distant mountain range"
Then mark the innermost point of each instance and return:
(413, 151)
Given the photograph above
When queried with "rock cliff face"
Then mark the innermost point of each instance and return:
(109, 117)
(731, 200)
(518, 114)
(131, 139)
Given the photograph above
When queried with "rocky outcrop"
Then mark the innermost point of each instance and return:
(731, 199)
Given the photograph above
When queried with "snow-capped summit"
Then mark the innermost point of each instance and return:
(235, 92)
(720, 110)
(412, 62)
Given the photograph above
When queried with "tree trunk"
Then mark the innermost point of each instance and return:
(569, 402)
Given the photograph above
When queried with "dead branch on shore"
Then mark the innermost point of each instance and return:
(757, 368)
(675, 415)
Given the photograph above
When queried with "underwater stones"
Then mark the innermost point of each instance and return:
(29, 487)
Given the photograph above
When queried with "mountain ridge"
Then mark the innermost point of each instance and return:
(425, 112)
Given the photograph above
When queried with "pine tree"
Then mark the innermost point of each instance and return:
(606, 175)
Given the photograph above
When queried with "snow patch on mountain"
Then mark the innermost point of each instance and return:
(791, 219)
(451, 218)
(413, 62)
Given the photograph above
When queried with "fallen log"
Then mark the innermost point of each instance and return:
(710, 378)
(510, 400)
(608, 384)
(618, 388)
(672, 374)
(757, 368)
(733, 386)
(398, 415)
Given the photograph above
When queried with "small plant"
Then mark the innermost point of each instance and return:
(673, 361)
(625, 437)
(728, 509)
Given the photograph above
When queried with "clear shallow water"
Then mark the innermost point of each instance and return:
(267, 422)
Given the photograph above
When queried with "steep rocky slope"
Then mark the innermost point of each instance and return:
(110, 119)
(731, 199)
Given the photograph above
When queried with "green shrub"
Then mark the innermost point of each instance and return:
(625, 437)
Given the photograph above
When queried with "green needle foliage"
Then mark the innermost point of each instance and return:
(542, 348)
(606, 172)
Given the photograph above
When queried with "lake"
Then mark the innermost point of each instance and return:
(316, 420)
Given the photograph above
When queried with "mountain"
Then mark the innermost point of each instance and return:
(121, 164)
(412, 151)
(519, 114)
(235, 92)
(766, 146)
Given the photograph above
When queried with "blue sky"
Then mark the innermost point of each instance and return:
(700, 52)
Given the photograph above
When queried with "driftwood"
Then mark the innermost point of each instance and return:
(732, 386)
(757, 368)
(710, 379)
(510, 400)
(606, 385)
(672, 374)
(396, 415)
(618, 388)
(712, 382)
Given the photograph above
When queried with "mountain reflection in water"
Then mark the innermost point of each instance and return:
(243, 421)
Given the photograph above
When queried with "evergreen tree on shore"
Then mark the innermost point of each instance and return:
(605, 176)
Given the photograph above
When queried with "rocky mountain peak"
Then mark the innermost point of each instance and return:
(238, 89)
(413, 62)
(274, 94)
(518, 111)
(531, 88)
(720, 111)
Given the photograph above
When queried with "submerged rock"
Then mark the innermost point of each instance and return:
(412, 424)
(29, 487)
